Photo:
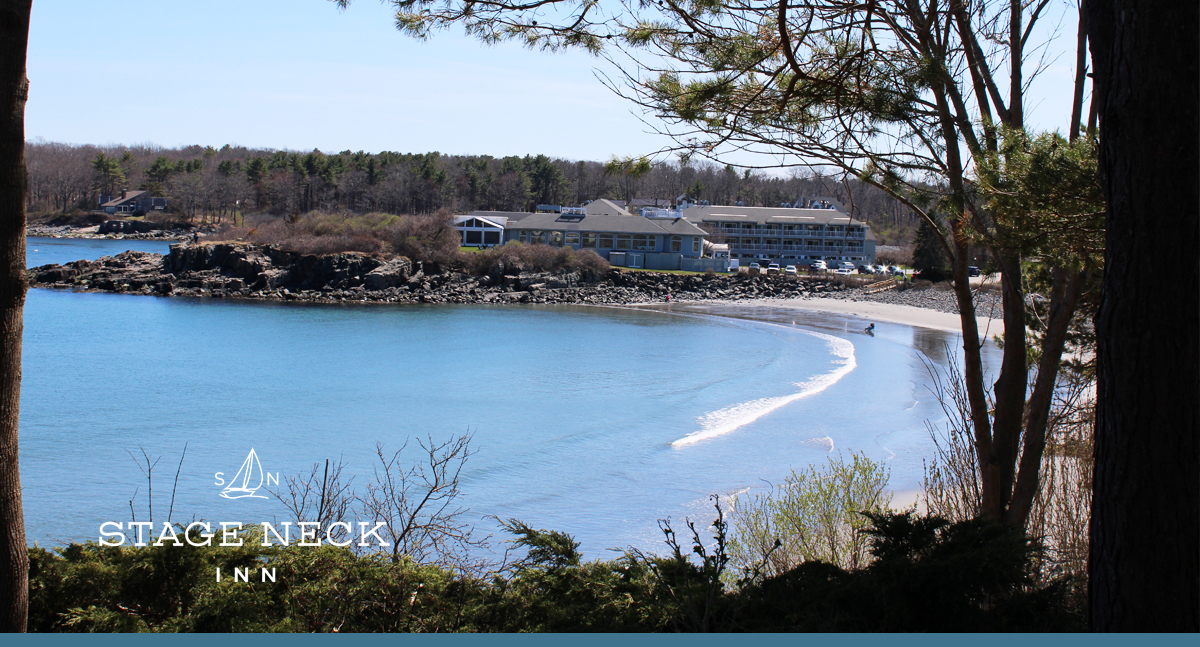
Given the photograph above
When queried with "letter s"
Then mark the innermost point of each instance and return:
(112, 533)
(220, 481)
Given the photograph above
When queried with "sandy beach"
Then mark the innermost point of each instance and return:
(887, 312)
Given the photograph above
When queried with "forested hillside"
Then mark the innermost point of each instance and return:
(210, 184)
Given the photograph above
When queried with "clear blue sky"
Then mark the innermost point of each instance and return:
(299, 74)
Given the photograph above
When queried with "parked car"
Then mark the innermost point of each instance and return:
(773, 268)
(972, 270)
(865, 269)
(843, 271)
(817, 266)
(878, 269)
(754, 268)
(790, 269)
(846, 265)
(895, 271)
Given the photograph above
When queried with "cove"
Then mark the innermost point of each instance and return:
(575, 411)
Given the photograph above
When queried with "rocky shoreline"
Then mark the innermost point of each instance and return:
(94, 231)
(247, 271)
(239, 270)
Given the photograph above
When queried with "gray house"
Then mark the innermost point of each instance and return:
(131, 202)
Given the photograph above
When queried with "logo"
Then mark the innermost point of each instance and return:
(247, 481)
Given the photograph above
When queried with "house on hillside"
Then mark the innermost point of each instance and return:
(132, 202)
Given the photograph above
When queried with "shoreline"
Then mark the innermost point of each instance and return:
(885, 312)
(93, 233)
(867, 311)
(244, 271)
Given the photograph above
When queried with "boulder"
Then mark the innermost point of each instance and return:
(389, 275)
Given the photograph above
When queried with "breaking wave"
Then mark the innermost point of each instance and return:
(724, 421)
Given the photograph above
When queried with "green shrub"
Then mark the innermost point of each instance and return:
(815, 515)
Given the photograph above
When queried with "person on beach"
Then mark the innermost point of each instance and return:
(870, 330)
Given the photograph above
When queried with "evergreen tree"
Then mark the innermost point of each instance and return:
(928, 256)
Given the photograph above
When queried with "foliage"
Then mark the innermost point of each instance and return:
(927, 575)
(928, 257)
(815, 515)
(221, 186)
(515, 257)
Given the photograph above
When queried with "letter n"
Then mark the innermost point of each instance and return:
(266, 574)
(241, 574)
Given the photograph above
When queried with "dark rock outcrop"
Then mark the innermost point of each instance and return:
(242, 270)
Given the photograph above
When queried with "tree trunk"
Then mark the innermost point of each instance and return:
(14, 88)
(1145, 548)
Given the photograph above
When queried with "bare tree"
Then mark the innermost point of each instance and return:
(320, 496)
(419, 502)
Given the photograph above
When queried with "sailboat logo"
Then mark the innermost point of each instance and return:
(247, 481)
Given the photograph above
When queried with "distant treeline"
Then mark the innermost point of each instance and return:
(211, 184)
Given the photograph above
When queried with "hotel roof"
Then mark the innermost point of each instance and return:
(768, 215)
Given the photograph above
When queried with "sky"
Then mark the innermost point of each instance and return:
(300, 74)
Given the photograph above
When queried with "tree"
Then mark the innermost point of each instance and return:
(107, 174)
(928, 257)
(1144, 566)
(907, 96)
(14, 89)
(629, 172)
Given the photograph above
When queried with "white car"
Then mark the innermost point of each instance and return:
(773, 268)
(895, 271)
(790, 269)
(843, 271)
(818, 265)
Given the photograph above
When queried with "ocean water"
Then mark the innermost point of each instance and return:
(594, 421)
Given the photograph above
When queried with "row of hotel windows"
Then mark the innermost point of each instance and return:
(829, 229)
(751, 242)
(589, 240)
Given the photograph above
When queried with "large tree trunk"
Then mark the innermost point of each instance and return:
(14, 87)
(1145, 549)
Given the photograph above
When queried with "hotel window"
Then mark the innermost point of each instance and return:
(572, 238)
(606, 241)
(523, 237)
(556, 238)
(695, 243)
(677, 243)
(623, 241)
(589, 241)
(639, 242)
(537, 237)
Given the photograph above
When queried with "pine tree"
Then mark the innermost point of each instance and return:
(928, 256)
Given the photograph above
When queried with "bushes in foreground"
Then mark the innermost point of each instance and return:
(927, 575)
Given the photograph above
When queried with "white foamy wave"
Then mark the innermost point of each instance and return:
(724, 421)
(824, 442)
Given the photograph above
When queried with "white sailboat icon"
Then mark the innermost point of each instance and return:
(247, 481)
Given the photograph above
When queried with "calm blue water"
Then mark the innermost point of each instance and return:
(595, 421)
